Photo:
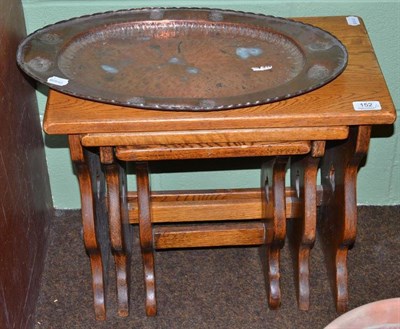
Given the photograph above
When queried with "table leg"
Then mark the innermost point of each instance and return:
(274, 213)
(302, 231)
(146, 235)
(120, 230)
(94, 218)
(339, 168)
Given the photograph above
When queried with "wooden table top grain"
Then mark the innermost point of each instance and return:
(328, 106)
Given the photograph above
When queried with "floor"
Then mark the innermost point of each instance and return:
(220, 287)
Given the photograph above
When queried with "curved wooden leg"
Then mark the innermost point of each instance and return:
(146, 235)
(274, 213)
(120, 230)
(302, 231)
(94, 218)
(339, 170)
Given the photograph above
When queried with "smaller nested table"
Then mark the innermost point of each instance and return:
(318, 130)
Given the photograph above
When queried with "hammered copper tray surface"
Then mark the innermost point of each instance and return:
(182, 58)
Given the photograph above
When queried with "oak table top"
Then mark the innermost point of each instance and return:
(330, 105)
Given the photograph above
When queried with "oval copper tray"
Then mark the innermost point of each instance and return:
(182, 58)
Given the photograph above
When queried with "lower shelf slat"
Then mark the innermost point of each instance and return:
(208, 235)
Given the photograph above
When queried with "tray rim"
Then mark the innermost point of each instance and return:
(311, 87)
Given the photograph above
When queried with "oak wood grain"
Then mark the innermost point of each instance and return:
(119, 229)
(212, 205)
(216, 136)
(146, 236)
(206, 235)
(274, 215)
(94, 219)
(339, 168)
(209, 150)
(302, 230)
(330, 105)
